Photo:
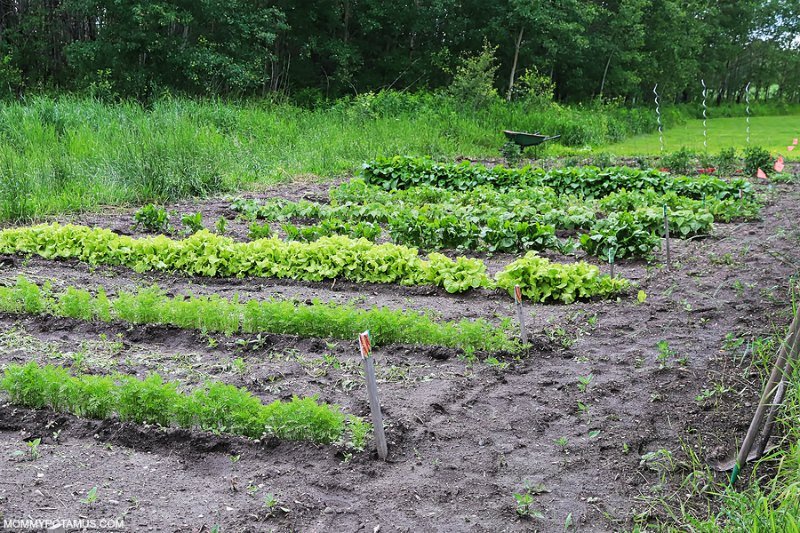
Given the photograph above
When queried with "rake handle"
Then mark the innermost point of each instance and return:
(769, 390)
(778, 399)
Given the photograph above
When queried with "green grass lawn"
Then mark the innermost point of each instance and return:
(773, 133)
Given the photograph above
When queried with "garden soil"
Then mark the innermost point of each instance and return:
(464, 436)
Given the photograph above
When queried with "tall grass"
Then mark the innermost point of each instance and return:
(71, 153)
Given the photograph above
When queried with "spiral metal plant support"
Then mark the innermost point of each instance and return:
(705, 117)
(658, 119)
(747, 109)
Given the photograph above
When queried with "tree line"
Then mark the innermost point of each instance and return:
(321, 49)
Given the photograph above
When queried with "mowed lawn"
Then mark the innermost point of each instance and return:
(773, 133)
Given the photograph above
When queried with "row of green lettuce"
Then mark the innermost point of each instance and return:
(622, 223)
(338, 257)
(214, 406)
(215, 314)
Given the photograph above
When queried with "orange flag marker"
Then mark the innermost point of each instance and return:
(790, 147)
(761, 174)
(779, 164)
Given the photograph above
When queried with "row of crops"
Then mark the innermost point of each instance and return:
(417, 204)
(334, 257)
(616, 211)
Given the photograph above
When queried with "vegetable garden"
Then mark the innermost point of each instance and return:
(229, 352)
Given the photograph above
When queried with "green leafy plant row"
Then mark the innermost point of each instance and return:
(332, 226)
(212, 255)
(542, 281)
(215, 314)
(515, 220)
(207, 254)
(213, 407)
(401, 172)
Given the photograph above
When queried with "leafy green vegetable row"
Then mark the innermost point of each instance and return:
(516, 220)
(207, 254)
(216, 314)
(401, 172)
(212, 255)
(543, 281)
(214, 406)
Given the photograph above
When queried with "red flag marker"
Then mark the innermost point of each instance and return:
(794, 142)
(365, 344)
(779, 164)
(761, 174)
(790, 147)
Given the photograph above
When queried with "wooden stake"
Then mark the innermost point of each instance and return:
(770, 389)
(666, 237)
(520, 314)
(372, 391)
(611, 255)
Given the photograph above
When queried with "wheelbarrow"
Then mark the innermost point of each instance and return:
(524, 139)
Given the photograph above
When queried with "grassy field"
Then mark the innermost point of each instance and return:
(773, 133)
(71, 153)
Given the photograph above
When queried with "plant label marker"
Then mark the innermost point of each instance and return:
(611, 262)
(372, 390)
(520, 315)
(666, 238)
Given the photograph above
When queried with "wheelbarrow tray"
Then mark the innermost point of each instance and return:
(525, 139)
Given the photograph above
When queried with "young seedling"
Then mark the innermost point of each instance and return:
(221, 225)
(152, 218)
(239, 366)
(563, 443)
(91, 496)
(524, 505)
(272, 505)
(259, 231)
(32, 452)
(706, 394)
(496, 363)
(665, 353)
(524, 500)
(583, 382)
(193, 223)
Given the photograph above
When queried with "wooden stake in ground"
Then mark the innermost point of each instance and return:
(611, 255)
(520, 314)
(666, 238)
(772, 383)
(372, 391)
